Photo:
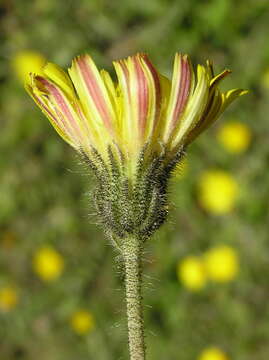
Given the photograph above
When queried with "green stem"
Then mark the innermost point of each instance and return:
(132, 254)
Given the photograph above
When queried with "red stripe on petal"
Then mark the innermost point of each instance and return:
(142, 95)
(54, 119)
(94, 90)
(46, 109)
(157, 86)
(183, 88)
(63, 112)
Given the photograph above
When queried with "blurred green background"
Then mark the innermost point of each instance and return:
(207, 270)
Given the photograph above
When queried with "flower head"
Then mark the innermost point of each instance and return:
(91, 111)
(234, 136)
(191, 272)
(82, 322)
(8, 298)
(217, 191)
(133, 131)
(221, 263)
(213, 353)
(48, 264)
(27, 61)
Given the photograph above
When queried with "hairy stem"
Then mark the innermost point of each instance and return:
(132, 254)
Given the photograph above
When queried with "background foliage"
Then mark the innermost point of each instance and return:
(44, 191)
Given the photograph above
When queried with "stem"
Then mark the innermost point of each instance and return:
(132, 255)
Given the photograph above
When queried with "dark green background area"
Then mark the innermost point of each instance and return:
(45, 192)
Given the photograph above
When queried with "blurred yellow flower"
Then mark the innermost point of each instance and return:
(234, 136)
(213, 353)
(191, 273)
(221, 263)
(26, 62)
(8, 298)
(217, 191)
(82, 322)
(48, 264)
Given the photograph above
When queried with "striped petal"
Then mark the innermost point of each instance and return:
(155, 96)
(42, 101)
(181, 90)
(127, 127)
(65, 115)
(194, 107)
(140, 92)
(92, 93)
